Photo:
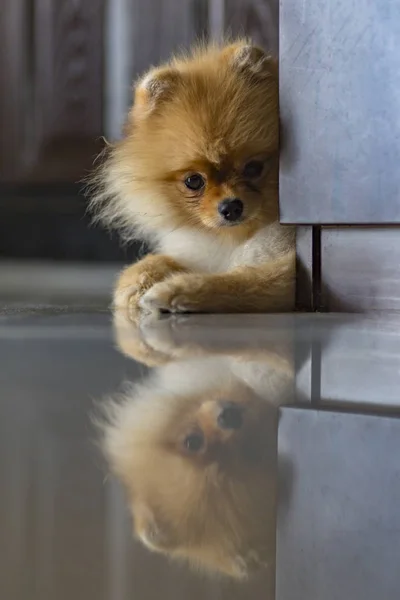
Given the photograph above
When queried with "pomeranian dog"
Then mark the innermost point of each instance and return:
(196, 177)
(195, 447)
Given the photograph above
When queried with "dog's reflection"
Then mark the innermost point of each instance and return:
(195, 447)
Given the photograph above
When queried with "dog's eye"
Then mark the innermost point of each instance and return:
(253, 169)
(194, 442)
(194, 182)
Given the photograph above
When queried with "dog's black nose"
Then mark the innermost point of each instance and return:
(230, 417)
(231, 209)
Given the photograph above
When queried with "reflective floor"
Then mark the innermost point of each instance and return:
(198, 456)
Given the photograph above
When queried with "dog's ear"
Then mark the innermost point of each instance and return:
(252, 60)
(152, 530)
(155, 88)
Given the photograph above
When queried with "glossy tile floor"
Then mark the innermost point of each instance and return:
(65, 526)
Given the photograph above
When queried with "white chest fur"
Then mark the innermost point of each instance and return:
(205, 375)
(206, 252)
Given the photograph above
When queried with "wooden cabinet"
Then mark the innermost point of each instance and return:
(51, 77)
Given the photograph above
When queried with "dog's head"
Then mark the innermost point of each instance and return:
(199, 474)
(200, 146)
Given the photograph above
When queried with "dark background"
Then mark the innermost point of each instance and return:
(66, 78)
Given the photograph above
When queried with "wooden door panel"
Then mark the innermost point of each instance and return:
(360, 269)
(255, 18)
(53, 114)
(68, 46)
(13, 67)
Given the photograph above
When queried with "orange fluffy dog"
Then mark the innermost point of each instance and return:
(196, 176)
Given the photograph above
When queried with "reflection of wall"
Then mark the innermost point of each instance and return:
(53, 540)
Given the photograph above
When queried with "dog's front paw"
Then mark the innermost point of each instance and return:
(128, 296)
(179, 294)
(137, 279)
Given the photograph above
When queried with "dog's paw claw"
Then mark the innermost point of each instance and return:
(161, 298)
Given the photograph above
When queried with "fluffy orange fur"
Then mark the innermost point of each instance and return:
(211, 114)
(215, 505)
